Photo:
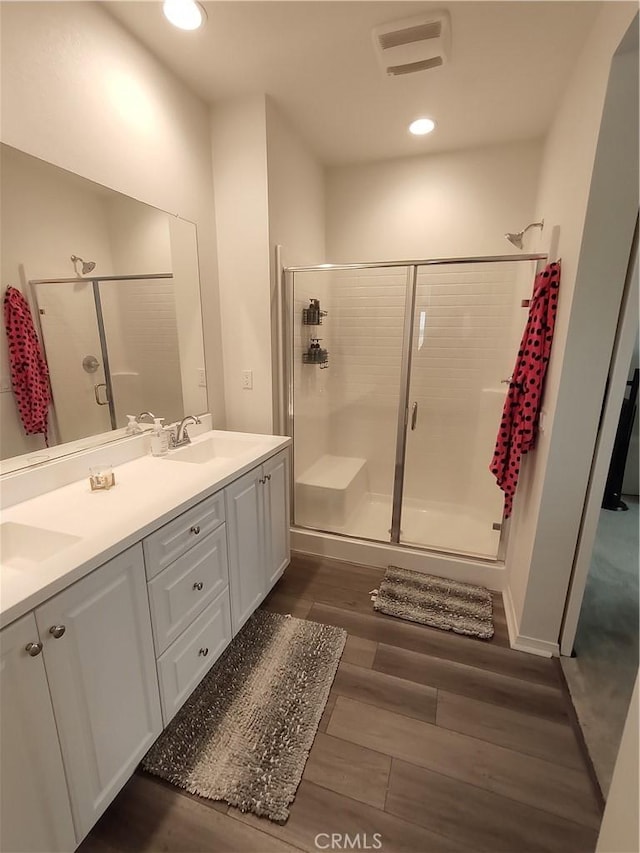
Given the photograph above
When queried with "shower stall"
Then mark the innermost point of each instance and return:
(396, 375)
(111, 344)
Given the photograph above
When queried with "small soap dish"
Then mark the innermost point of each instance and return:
(101, 478)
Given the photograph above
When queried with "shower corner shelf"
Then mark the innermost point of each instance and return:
(313, 315)
(321, 360)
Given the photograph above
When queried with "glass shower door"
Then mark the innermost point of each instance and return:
(345, 406)
(466, 327)
(71, 338)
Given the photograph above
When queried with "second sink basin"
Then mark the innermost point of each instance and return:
(23, 546)
(218, 447)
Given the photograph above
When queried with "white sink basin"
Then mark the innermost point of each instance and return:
(23, 546)
(216, 448)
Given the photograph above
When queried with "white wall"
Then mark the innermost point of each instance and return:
(269, 190)
(619, 828)
(440, 205)
(297, 223)
(80, 92)
(589, 224)
(238, 135)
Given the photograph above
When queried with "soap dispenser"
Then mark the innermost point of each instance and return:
(159, 438)
(133, 427)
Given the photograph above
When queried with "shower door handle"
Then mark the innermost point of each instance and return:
(96, 393)
(414, 416)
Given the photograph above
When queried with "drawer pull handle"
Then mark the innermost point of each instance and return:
(267, 476)
(204, 652)
(57, 631)
(198, 585)
(195, 529)
(33, 649)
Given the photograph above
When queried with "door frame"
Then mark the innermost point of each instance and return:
(612, 403)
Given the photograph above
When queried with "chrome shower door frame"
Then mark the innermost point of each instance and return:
(287, 308)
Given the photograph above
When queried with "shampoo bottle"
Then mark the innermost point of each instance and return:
(159, 439)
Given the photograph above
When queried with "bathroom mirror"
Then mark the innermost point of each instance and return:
(114, 294)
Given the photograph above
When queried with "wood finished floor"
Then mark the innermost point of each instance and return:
(438, 742)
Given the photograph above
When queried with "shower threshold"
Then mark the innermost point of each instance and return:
(426, 525)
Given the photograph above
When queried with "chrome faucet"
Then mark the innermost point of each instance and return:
(142, 415)
(181, 436)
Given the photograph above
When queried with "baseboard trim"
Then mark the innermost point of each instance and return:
(520, 642)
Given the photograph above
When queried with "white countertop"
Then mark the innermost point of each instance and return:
(149, 491)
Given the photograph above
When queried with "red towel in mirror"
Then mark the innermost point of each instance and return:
(29, 371)
(521, 412)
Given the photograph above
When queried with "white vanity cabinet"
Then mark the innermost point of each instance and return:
(257, 511)
(186, 561)
(89, 678)
(100, 664)
(35, 814)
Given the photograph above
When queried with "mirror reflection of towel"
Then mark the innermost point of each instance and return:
(29, 371)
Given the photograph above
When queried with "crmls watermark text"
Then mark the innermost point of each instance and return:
(344, 841)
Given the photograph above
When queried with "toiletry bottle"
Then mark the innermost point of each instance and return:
(133, 427)
(159, 438)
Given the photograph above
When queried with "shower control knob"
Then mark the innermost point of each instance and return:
(33, 649)
(57, 631)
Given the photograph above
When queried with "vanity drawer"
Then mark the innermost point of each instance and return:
(182, 591)
(175, 538)
(183, 665)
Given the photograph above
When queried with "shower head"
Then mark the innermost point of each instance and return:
(517, 239)
(87, 266)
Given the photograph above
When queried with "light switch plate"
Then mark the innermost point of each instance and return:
(247, 380)
(202, 378)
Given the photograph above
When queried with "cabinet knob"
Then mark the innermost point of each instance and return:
(267, 476)
(204, 652)
(195, 529)
(33, 649)
(57, 631)
(198, 585)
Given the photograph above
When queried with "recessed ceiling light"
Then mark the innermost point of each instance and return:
(421, 126)
(185, 14)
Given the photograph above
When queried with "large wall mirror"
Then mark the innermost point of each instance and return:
(120, 326)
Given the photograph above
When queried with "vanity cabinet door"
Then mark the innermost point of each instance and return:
(98, 652)
(244, 501)
(276, 498)
(36, 814)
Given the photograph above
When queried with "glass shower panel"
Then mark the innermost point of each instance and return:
(466, 328)
(71, 340)
(345, 409)
(141, 336)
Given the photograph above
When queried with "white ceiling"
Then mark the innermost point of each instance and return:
(509, 63)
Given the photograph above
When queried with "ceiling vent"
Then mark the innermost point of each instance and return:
(413, 44)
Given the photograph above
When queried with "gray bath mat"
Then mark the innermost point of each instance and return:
(438, 602)
(245, 733)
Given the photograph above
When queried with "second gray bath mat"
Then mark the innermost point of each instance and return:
(437, 602)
